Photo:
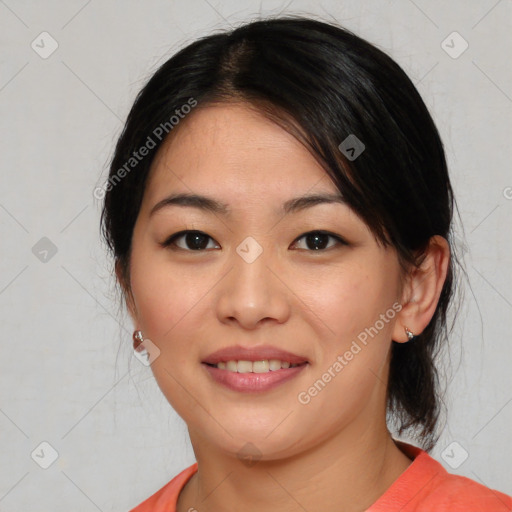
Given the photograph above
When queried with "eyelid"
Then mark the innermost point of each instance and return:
(338, 238)
(170, 241)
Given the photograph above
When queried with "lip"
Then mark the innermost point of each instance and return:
(253, 382)
(240, 353)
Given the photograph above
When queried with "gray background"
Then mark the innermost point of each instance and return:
(68, 376)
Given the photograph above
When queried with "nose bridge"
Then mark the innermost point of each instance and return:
(252, 292)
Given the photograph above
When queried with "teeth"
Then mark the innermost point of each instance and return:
(260, 366)
(274, 364)
(244, 367)
(231, 366)
(263, 366)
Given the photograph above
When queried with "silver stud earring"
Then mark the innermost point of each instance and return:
(410, 334)
(138, 338)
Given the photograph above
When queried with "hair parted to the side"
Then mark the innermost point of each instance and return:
(322, 83)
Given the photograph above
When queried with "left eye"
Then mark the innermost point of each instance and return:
(318, 240)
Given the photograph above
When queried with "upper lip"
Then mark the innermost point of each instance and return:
(260, 353)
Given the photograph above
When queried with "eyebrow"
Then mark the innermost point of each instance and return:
(212, 205)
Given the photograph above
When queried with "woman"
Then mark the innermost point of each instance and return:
(279, 210)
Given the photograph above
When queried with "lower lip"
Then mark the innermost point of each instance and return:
(253, 382)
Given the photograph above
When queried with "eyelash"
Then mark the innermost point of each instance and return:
(170, 242)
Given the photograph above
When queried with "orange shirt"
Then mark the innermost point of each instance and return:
(425, 486)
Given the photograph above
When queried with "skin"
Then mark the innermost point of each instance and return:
(334, 453)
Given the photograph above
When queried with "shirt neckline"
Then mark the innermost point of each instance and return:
(420, 472)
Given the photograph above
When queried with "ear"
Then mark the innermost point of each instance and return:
(422, 290)
(128, 297)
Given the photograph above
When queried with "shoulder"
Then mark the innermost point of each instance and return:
(445, 492)
(426, 486)
(454, 493)
(165, 499)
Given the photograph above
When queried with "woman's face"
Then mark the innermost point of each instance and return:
(254, 279)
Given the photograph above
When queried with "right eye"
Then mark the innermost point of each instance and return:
(193, 240)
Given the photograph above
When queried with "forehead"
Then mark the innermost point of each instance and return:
(235, 150)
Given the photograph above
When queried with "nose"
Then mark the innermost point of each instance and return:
(253, 293)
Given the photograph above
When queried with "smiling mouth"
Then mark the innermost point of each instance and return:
(262, 366)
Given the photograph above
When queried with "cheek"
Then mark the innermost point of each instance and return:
(354, 304)
(351, 360)
(341, 297)
(164, 295)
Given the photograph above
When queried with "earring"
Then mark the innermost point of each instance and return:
(410, 335)
(138, 338)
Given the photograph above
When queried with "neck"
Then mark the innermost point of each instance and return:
(337, 474)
